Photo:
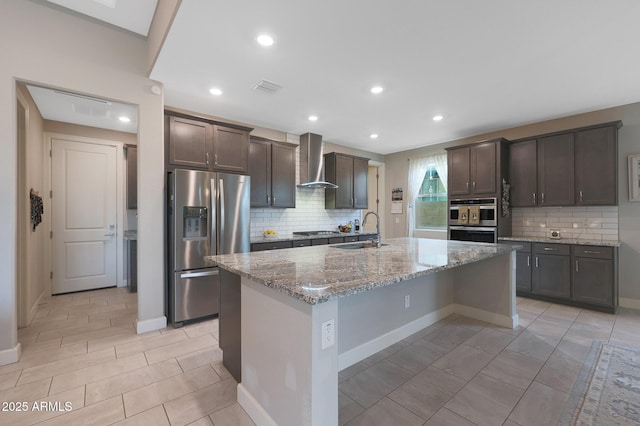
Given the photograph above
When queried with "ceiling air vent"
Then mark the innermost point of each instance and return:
(267, 86)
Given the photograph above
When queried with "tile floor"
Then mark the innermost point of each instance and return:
(82, 349)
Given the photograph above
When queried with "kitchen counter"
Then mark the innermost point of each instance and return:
(318, 274)
(572, 241)
(292, 237)
(292, 318)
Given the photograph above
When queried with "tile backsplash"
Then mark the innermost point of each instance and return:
(309, 214)
(582, 223)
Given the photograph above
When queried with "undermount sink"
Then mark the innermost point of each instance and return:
(357, 246)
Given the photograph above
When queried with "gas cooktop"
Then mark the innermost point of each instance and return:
(312, 233)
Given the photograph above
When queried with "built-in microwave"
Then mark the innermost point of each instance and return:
(473, 212)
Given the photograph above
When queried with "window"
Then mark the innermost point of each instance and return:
(431, 202)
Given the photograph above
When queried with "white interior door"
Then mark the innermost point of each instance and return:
(84, 210)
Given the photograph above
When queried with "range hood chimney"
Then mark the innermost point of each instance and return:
(312, 163)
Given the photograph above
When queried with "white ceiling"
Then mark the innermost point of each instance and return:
(132, 15)
(85, 110)
(484, 65)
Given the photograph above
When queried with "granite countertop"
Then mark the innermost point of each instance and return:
(574, 241)
(292, 237)
(131, 235)
(317, 274)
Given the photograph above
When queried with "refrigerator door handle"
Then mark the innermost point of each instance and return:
(213, 220)
(199, 274)
(223, 250)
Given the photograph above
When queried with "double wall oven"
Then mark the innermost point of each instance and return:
(474, 219)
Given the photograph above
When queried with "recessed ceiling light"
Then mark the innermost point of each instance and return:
(264, 40)
(377, 90)
(215, 91)
(313, 118)
(374, 136)
(437, 118)
(124, 119)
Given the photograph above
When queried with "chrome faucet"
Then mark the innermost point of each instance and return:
(364, 221)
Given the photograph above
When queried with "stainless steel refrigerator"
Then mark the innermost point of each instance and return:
(208, 214)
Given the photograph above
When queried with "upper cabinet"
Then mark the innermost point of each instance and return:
(555, 170)
(574, 167)
(272, 167)
(596, 168)
(131, 152)
(475, 170)
(196, 143)
(351, 175)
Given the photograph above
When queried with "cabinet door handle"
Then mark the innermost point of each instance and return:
(577, 270)
(549, 249)
(534, 198)
(474, 185)
(542, 194)
(274, 200)
(580, 196)
(536, 261)
(207, 158)
(268, 199)
(355, 201)
(215, 159)
(528, 260)
(467, 186)
(591, 252)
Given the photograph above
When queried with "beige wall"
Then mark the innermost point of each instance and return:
(628, 212)
(32, 286)
(90, 132)
(46, 46)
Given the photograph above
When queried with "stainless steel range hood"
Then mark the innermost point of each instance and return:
(312, 163)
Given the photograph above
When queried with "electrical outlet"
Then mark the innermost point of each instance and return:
(328, 334)
(407, 301)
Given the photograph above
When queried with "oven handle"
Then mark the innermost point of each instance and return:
(473, 228)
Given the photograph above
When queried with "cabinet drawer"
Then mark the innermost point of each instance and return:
(552, 249)
(367, 237)
(301, 243)
(351, 239)
(319, 241)
(271, 246)
(598, 252)
(526, 246)
(336, 240)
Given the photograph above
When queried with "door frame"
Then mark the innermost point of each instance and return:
(120, 202)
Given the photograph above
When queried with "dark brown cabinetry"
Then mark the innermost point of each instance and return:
(523, 173)
(475, 170)
(552, 270)
(131, 151)
(200, 144)
(593, 275)
(272, 167)
(574, 167)
(523, 267)
(580, 275)
(555, 170)
(596, 157)
(351, 175)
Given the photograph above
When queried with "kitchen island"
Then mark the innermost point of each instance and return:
(307, 313)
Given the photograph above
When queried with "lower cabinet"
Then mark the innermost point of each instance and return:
(551, 274)
(594, 275)
(311, 242)
(579, 275)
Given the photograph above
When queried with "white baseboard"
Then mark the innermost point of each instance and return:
(9, 356)
(491, 317)
(371, 347)
(151, 324)
(253, 408)
(626, 302)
